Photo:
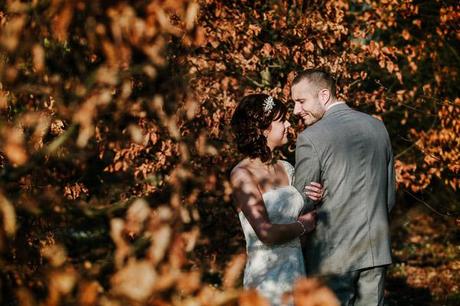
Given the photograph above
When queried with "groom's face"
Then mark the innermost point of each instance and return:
(307, 104)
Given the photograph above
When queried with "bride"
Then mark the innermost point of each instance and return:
(268, 205)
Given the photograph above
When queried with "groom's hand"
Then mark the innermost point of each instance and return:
(308, 220)
(314, 191)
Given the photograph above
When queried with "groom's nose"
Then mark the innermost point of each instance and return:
(296, 108)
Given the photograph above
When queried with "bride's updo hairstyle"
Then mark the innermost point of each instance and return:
(251, 118)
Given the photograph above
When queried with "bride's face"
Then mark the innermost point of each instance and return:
(277, 133)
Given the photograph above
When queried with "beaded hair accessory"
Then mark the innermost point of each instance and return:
(268, 104)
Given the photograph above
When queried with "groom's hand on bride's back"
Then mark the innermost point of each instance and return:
(308, 220)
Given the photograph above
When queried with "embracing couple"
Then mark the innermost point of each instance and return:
(326, 217)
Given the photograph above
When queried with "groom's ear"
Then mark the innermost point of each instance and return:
(324, 95)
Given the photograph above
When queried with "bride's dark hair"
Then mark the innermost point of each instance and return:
(250, 120)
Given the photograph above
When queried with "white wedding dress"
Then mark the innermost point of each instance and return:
(273, 269)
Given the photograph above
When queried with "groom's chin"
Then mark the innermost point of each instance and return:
(308, 120)
(311, 121)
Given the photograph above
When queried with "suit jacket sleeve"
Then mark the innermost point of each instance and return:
(391, 182)
(307, 167)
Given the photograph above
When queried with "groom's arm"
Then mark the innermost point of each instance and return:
(391, 182)
(307, 168)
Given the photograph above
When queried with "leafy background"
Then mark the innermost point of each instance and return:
(115, 147)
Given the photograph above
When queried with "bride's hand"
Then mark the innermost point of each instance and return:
(314, 191)
(308, 220)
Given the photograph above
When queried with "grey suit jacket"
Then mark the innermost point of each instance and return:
(350, 153)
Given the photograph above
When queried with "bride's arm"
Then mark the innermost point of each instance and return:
(249, 199)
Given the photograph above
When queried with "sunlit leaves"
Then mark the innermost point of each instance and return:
(252, 297)
(8, 216)
(234, 271)
(135, 281)
(61, 283)
(11, 31)
(61, 22)
(116, 114)
(313, 292)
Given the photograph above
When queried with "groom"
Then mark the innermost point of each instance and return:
(350, 153)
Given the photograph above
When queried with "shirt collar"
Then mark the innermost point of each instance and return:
(334, 104)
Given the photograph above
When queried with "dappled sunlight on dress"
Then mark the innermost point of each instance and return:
(272, 269)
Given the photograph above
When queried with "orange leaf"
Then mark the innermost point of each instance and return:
(234, 270)
(252, 298)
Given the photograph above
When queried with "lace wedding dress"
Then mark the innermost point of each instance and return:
(272, 269)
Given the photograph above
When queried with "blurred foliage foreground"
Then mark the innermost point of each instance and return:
(115, 148)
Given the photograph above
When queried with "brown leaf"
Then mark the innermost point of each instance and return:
(57, 127)
(73, 191)
(135, 281)
(9, 216)
(311, 292)
(38, 57)
(14, 148)
(191, 15)
(155, 52)
(189, 282)
(111, 55)
(309, 46)
(405, 34)
(252, 298)
(89, 292)
(199, 36)
(56, 254)
(210, 296)
(166, 279)
(62, 21)
(107, 75)
(160, 241)
(122, 247)
(25, 297)
(234, 270)
(3, 99)
(61, 283)
(165, 22)
(136, 215)
(11, 33)
(191, 238)
(177, 253)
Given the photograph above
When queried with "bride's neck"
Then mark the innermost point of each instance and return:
(258, 162)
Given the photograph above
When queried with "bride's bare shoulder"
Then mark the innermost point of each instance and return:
(242, 169)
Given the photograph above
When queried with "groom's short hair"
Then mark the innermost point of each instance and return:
(319, 78)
